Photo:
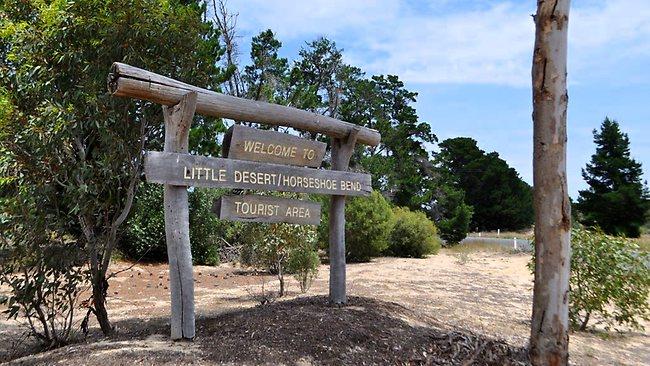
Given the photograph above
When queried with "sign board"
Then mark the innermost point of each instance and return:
(202, 171)
(255, 208)
(246, 143)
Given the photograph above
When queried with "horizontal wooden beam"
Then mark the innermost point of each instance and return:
(129, 81)
(202, 171)
(268, 209)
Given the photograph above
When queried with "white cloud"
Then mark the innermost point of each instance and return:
(490, 46)
(488, 43)
(610, 40)
(302, 19)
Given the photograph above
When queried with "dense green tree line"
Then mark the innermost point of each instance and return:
(499, 197)
(460, 187)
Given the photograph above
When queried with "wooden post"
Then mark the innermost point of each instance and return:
(341, 152)
(178, 120)
(549, 339)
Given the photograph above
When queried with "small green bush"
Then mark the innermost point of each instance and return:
(609, 280)
(144, 234)
(206, 230)
(144, 231)
(271, 247)
(303, 263)
(456, 218)
(413, 235)
(368, 221)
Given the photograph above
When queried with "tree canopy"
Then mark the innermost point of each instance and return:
(319, 81)
(616, 200)
(70, 152)
(499, 197)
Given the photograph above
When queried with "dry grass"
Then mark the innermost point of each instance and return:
(523, 234)
(644, 242)
(402, 311)
(470, 246)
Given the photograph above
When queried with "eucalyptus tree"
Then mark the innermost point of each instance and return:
(549, 335)
(70, 151)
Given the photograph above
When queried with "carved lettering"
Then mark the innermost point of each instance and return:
(188, 170)
(205, 173)
(267, 209)
(245, 143)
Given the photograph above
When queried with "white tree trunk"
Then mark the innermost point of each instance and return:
(549, 338)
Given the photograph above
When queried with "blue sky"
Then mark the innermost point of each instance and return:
(470, 63)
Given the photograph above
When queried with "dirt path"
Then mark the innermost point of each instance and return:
(399, 306)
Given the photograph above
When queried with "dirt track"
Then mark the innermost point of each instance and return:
(400, 306)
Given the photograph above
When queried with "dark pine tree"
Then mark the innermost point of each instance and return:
(616, 199)
(499, 197)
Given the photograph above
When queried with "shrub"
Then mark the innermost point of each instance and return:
(609, 280)
(144, 236)
(41, 269)
(303, 263)
(271, 247)
(206, 230)
(144, 232)
(413, 235)
(455, 228)
(368, 221)
(456, 218)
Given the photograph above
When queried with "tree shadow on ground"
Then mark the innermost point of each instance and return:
(302, 331)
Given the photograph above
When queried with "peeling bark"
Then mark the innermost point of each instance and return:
(549, 338)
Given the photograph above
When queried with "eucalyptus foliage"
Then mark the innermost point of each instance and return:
(610, 281)
(45, 278)
(69, 149)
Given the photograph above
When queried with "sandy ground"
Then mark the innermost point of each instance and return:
(483, 293)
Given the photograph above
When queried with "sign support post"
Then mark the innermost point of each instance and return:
(341, 153)
(178, 120)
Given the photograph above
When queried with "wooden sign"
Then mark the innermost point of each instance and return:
(253, 155)
(254, 208)
(202, 171)
(246, 143)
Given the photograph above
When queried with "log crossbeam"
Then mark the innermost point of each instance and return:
(129, 81)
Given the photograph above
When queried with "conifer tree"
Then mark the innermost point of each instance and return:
(616, 199)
